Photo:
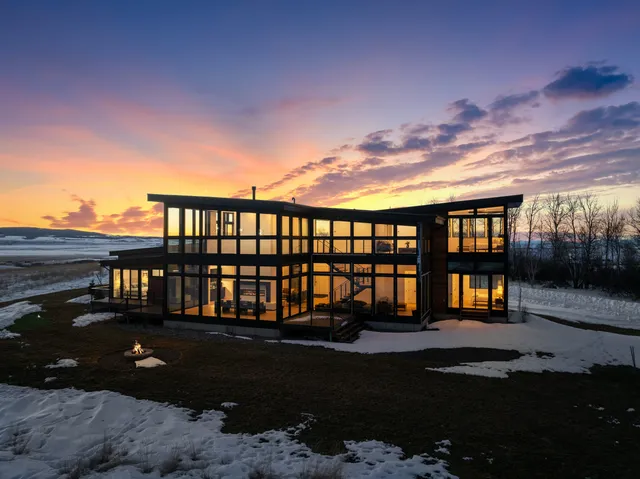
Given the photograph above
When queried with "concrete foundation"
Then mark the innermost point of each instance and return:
(223, 328)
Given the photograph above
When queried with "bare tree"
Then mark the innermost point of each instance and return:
(532, 219)
(589, 233)
(613, 226)
(513, 215)
(634, 221)
(572, 259)
(554, 225)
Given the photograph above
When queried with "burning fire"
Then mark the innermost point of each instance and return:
(137, 348)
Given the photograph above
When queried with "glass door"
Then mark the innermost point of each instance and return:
(475, 291)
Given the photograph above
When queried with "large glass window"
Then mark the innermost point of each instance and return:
(384, 246)
(144, 283)
(191, 246)
(362, 294)
(497, 235)
(228, 223)
(191, 295)
(249, 303)
(295, 295)
(248, 246)
(174, 296)
(268, 225)
(341, 246)
(268, 246)
(173, 246)
(341, 228)
(321, 245)
(286, 231)
(468, 235)
(117, 282)
(228, 246)
(321, 291)
(453, 281)
(384, 230)
(286, 249)
(321, 228)
(210, 246)
(497, 291)
(304, 222)
(211, 223)
(406, 292)
(295, 226)
(268, 304)
(482, 235)
(384, 296)
(228, 299)
(404, 230)
(407, 269)
(173, 222)
(362, 229)
(285, 293)
(362, 245)
(248, 224)
(454, 235)
(209, 296)
(341, 294)
(304, 288)
(407, 246)
(188, 222)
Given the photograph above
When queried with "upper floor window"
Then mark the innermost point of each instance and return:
(475, 235)
(228, 223)
(173, 222)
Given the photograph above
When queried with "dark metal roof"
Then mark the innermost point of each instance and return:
(271, 206)
(512, 201)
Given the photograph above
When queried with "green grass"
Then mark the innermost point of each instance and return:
(30, 322)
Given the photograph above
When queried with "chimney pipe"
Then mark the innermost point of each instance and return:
(253, 192)
(293, 200)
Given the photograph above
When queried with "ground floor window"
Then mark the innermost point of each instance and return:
(476, 291)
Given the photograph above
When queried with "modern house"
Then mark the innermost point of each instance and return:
(265, 267)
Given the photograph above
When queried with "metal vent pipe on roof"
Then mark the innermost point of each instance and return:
(293, 200)
(253, 192)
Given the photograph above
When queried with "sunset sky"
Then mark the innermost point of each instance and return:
(358, 104)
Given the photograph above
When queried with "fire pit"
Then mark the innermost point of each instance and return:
(137, 353)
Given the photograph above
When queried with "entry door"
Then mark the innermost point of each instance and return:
(475, 291)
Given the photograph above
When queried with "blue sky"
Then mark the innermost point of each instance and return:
(213, 97)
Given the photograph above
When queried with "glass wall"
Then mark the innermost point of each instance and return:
(453, 282)
(384, 295)
(469, 232)
(497, 291)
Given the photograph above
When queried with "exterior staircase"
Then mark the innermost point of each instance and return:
(349, 332)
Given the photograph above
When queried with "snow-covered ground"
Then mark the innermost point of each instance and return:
(578, 305)
(573, 350)
(27, 288)
(9, 315)
(84, 299)
(46, 434)
(58, 248)
(63, 363)
(90, 318)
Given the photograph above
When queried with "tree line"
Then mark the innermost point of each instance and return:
(575, 240)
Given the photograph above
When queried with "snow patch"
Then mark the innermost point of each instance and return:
(84, 299)
(631, 409)
(10, 314)
(570, 349)
(87, 319)
(63, 363)
(150, 362)
(49, 379)
(68, 425)
(575, 305)
(229, 405)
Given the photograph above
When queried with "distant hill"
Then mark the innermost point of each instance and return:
(30, 233)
